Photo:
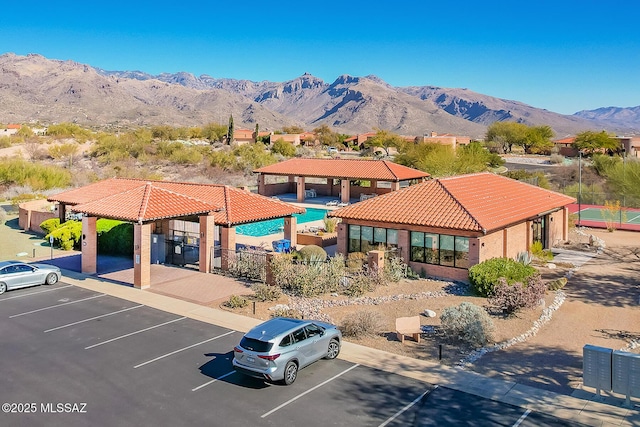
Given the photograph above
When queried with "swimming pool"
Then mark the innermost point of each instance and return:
(273, 226)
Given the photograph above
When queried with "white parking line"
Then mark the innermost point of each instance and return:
(182, 349)
(133, 333)
(401, 411)
(308, 391)
(213, 380)
(522, 417)
(34, 293)
(92, 318)
(55, 306)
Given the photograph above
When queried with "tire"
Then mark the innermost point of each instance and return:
(52, 279)
(290, 373)
(3, 288)
(334, 350)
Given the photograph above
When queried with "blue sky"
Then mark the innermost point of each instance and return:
(564, 56)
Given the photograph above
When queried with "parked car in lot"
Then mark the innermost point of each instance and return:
(276, 349)
(16, 274)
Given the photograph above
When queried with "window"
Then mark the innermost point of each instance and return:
(299, 335)
(440, 249)
(364, 239)
(286, 341)
(313, 330)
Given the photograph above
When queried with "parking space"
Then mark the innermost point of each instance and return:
(117, 360)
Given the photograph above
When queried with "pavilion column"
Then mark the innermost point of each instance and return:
(261, 185)
(565, 224)
(300, 189)
(227, 246)
(62, 212)
(207, 241)
(404, 244)
(89, 257)
(374, 186)
(395, 185)
(343, 239)
(142, 255)
(291, 230)
(345, 190)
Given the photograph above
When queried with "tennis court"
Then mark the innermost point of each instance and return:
(600, 217)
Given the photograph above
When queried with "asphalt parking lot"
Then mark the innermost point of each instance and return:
(73, 357)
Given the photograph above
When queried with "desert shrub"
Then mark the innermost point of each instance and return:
(468, 323)
(50, 224)
(363, 323)
(539, 252)
(249, 263)
(66, 236)
(556, 159)
(114, 237)
(330, 224)
(312, 253)
(524, 257)
(5, 142)
(513, 297)
(554, 285)
(287, 312)
(395, 269)
(358, 284)
(484, 276)
(283, 148)
(236, 301)
(37, 176)
(307, 278)
(355, 260)
(264, 292)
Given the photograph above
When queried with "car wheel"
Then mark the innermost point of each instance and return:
(3, 287)
(290, 373)
(52, 279)
(334, 350)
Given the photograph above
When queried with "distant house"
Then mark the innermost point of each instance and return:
(243, 136)
(631, 145)
(10, 129)
(565, 146)
(442, 227)
(293, 138)
(446, 139)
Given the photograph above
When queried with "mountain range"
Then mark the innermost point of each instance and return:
(36, 89)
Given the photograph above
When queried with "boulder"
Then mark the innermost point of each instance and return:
(429, 313)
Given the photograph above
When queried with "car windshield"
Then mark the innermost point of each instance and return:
(255, 345)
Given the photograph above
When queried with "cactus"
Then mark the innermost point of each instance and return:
(524, 257)
(557, 284)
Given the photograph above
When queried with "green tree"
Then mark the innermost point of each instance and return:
(385, 140)
(214, 132)
(326, 136)
(230, 130)
(538, 140)
(67, 152)
(25, 132)
(590, 141)
(507, 134)
(292, 129)
(280, 146)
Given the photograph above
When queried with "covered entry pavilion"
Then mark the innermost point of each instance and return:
(383, 177)
(152, 205)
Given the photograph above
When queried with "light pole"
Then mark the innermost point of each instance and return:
(579, 185)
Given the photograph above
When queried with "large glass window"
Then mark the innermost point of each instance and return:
(364, 239)
(440, 249)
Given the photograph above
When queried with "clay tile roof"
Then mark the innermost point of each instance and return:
(382, 170)
(477, 202)
(135, 200)
(145, 203)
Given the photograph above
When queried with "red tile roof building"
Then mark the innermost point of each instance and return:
(344, 170)
(444, 226)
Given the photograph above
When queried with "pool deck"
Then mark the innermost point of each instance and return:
(315, 202)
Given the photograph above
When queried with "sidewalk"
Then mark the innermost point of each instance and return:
(590, 410)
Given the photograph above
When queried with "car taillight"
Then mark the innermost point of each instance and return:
(270, 357)
(238, 350)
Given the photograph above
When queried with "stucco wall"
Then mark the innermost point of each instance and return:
(32, 214)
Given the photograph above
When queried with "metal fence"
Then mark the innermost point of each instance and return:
(245, 263)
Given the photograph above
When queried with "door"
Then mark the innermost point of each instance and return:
(540, 231)
(319, 343)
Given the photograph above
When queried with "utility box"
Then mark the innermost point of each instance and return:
(626, 374)
(597, 367)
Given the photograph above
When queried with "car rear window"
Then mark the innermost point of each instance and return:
(253, 344)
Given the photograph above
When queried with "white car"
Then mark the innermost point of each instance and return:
(16, 274)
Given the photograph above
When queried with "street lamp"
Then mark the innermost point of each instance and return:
(579, 184)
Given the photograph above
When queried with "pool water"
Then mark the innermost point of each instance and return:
(273, 226)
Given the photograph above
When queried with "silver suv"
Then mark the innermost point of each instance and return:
(277, 348)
